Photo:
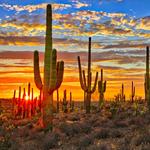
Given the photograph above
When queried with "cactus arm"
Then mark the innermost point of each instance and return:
(95, 83)
(84, 79)
(105, 86)
(80, 75)
(60, 73)
(37, 77)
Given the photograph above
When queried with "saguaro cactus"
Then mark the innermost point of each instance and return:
(71, 103)
(132, 92)
(28, 101)
(122, 96)
(147, 79)
(70, 99)
(101, 89)
(14, 103)
(24, 103)
(65, 102)
(53, 73)
(86, 85)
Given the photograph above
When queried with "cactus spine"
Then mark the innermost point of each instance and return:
(86, 84)
(132, 92)
(53, 73)
(147, 79)
(101, 89)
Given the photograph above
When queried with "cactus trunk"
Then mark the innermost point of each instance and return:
(147, 79)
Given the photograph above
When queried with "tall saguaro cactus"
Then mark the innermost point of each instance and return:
(53, 72)
(101, 89)
(86, 85)
(132, 92)
(147, 79)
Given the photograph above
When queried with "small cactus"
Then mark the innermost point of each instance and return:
(132, 92)
(65, 102)
(71, 103)
(101, 90)
(13, 103)
(122, 96)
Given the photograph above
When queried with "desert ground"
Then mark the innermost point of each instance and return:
(118, 126)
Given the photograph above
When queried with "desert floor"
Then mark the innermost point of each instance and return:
(118, 126)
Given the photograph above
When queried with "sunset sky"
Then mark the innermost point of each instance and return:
(120, 31)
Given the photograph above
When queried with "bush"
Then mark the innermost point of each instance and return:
(69, 129)
(101, 133)
(142, 139)
(121, 124)
(50, 141)
(116, 134)
(85, 127)
(84, 142)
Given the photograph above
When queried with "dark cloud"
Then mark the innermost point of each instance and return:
(71, 57)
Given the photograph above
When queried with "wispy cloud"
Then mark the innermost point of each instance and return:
(31, 8)
(79, 4)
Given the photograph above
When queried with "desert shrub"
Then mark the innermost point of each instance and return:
(85, 127)
(93, 108)
(145, 147)
(2, 131)
(5, 143)
(50, 141)
(83, 142)
(124, 147)
(21, 132)
(74, 118)
(15, 145)
(69, 129)
(138, 121)
(29, 145)
(121, 124)
(142, 139)
(114, 108)
(102, 133)
(116, 133)
(99, 147)
(36, 135)
(104, 147)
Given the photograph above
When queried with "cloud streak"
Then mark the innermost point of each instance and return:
(31, 8)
